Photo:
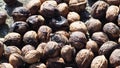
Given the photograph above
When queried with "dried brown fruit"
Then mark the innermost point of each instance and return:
(32, 56)
(52, 49)
(65, 33)
(10, 50)
(93, 46)
(78, 39)
(59, 23)
(12, 38)
(48, 9)
(41, 47)
(20, 14)
(33, 6)
(16, 60)
(112, 30)
(84, 58)
(112, 13)
(115, 58)
(20, 27)
(68, 53)
(72, 17)
(44, 33)
(35, 21)
(107, 48)
(31, 38)
(93, 25)
(27, 48)
(60, 39)
(99, 62)
(63, 9)
(78, 26)
(77, 5)
(99, 38)
(52, 2)
(99, 9)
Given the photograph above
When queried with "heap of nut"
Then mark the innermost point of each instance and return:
(51, 34)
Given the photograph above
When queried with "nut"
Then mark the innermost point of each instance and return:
(47, 2)
(31, 38)
(12, 38)
(56, 62)
(20, 27)
(10, 2)
(60, 39)
(33, 6)
(41, 47)
(44, 33)
(77, 5)
(10, 50)
(6, 65)
(93, 25)
(99, 38)
(99, 9)
(72, 17)
(59, 23)
(107, 48)
(112, 13)
(52, 49)
(99, 62)
(93, 46)
(115, 58)
(61, 34)
(77, 39)
(20, 14)
(38, 65)
(27, 48)
(3, 17)
(112, 30)
(48, 9)
(16, 60)
(68, 53)
(63, 9)
(32, 56)
(65, 33)
(35, 21)
(78, 26)
(84, 58)
(113, 2)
